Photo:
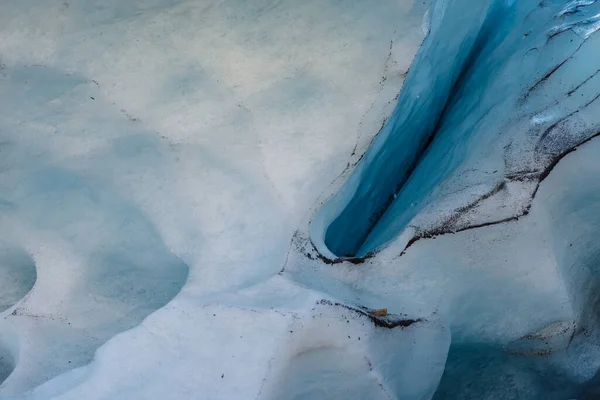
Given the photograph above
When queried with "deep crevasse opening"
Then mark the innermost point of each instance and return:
(489, 103)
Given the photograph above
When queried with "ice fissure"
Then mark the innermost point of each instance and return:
(499, 90)
(410, 131)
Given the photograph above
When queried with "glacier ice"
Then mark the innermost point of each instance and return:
(514, 99)
(227, 200)
(17, 275)
(574, 6)
(520, 94)
(337, 353)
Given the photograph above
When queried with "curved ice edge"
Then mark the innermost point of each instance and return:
(389, 321)
(322, 253)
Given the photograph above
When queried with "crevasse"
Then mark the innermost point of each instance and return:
(498, 92)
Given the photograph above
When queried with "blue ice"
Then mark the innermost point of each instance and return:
(490, 85)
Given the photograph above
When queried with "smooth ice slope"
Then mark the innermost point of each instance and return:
(499, 91)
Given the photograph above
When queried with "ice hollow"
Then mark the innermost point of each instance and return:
(101, 267)
(17, 275)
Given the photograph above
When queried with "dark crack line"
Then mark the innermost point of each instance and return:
(544, 78)
(554, 125)
(583, 83)
(382, 322)
(542, 177)
(551, 72)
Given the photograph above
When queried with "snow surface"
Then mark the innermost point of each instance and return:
(172, 169)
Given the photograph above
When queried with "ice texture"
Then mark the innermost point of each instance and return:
(157, 157)
(299, 200)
